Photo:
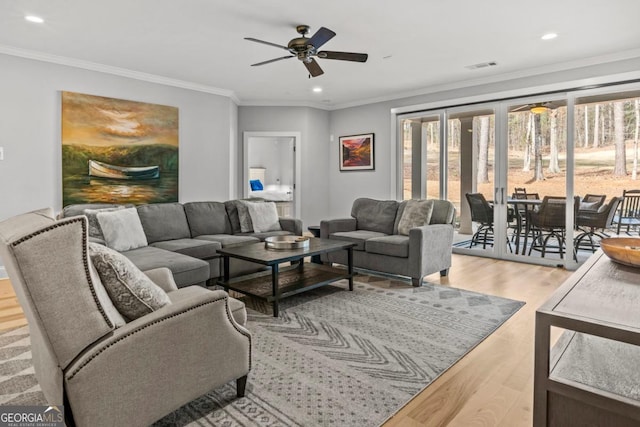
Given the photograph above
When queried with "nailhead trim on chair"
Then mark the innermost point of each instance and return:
(85, 259)
(141, 328)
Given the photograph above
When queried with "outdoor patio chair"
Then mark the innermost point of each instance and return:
(629, 214)
(592, 202)
(548, 225)
(593, 224)
(482, 213)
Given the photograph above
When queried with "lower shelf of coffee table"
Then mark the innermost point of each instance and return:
(291, 281)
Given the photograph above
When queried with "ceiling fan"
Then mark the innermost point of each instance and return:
(536, 108)
(305, 48)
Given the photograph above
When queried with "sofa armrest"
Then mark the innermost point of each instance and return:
(292, 225)
(162, 277)
(178, 352)
(330, 226)
(430, 248)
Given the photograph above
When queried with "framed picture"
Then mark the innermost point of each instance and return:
(357, 152)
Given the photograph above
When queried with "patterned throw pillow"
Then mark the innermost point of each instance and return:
(416, 214)
(130, 290)
(246, 226)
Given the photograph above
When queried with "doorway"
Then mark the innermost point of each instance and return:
(270, 169)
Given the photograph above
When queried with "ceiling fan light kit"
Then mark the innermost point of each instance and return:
(305, 49)
(539, 109)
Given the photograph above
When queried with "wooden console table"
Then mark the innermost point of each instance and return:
(591, 376)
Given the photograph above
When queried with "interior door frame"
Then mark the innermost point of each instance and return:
(297, 143)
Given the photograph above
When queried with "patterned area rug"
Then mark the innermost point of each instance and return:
(332, 358)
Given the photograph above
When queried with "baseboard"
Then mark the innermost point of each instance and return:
(3, 272)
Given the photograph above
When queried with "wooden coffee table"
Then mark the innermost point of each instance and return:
(280, 283)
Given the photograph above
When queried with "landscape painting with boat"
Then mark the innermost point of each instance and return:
(118, 151)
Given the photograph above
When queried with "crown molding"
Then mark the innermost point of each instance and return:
(122, 72)
(563, 66)
(259, 103)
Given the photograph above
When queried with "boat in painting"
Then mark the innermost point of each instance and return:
(105, 170)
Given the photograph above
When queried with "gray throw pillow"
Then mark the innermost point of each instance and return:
(130, 290)
(246, 226)
(94, 226)
(416, 214)
(122, 229)
(264, 216)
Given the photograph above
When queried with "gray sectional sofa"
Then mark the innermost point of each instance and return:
(185, 237)
(410, 238)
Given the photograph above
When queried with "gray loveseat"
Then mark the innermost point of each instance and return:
(185, 237)
(388, 243)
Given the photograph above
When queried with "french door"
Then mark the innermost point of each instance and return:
(487, 149)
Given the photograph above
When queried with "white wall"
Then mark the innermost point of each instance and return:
(313, 125)
(344, 187)
(30, 174)
(276, 156)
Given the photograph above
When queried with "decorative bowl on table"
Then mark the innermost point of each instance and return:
(623, 250)
(286, 242)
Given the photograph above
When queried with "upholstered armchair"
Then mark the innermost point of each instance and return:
(108, 370)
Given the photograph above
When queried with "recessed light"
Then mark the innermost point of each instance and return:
(549, 36)
(33, 18)
(317, 89)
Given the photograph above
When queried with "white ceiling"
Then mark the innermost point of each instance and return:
(200, 42)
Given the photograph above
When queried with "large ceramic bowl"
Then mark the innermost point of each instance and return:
(624, 250)
(286, 242)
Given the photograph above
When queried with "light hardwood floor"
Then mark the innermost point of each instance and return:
(490, 386)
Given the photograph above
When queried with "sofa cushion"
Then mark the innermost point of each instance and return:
(122, 229)
(374, 215)
(202, 249)
(232, 212)
(264, 216)
(416, 213)
(131, 291)
(359, 237)
(444, 212)
(164, 221)
(207, 218)
(396, 245)
(78, 209)
(229, 240)
(186, 270)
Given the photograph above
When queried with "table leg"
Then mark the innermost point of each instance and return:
(225, 266)
(274, 289)
(350, 267)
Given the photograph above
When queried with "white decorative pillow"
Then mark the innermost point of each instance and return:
(264, 216)
(246, 225)
(130, 290)
(122, 229)
(94, 226)
(416, 214)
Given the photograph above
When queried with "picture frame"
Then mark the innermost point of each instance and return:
(357, 152)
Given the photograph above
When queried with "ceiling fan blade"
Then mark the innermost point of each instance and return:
(521, 108)
(251, 39)
(321, 36)
(343, 56)
(313, 67)
(272, 60)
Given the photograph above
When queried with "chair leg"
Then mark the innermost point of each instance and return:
(416, 281)
(241, 384)
(444, 273)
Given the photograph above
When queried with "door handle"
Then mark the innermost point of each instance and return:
(502, 195)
